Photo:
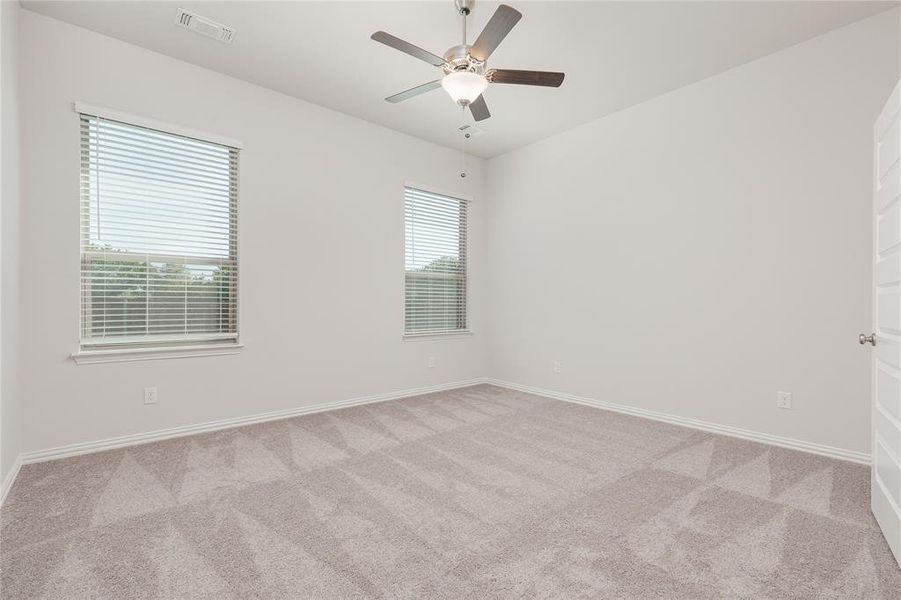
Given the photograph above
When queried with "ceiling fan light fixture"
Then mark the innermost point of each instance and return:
(464, 87)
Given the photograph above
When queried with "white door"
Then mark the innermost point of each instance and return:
(886, 338)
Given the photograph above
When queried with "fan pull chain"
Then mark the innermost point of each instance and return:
(466, 136)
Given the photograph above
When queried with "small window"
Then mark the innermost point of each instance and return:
(435, 263)
(159, 248)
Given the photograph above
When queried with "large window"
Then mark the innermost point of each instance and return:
(158, 238)
(435, 263)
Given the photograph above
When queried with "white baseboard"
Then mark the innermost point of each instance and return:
(7, 483)
(747, 434)
(164, 434)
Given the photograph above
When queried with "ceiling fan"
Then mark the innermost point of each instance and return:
(466, 73)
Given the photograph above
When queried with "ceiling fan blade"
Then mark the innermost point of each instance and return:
(500, 24)
(544, 78)
(407, 47)
(410, 93)
(479, 109)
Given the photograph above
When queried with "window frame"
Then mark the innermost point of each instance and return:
(176, 348)
(431, 335)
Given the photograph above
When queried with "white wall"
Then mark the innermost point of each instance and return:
(321, 242)
(698, 252)
(10, 421)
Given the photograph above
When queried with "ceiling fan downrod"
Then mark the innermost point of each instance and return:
(464, 7)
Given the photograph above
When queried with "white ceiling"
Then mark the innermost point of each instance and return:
(615, 54)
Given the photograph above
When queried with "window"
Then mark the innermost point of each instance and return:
(435, 263)
(159, 254)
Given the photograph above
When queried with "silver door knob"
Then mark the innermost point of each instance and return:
(867, 339)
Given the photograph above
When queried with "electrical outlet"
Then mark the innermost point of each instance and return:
(150, 395)
(432, 362)
(557, 366)
(783, 400)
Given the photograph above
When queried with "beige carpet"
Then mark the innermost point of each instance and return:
(481, 492)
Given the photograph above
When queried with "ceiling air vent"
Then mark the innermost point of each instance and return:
(203, 26)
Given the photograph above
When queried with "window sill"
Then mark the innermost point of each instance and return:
(90, 357)
(411, 337)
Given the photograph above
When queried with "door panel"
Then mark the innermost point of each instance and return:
(889, 310)
(889, 473)
(888, 351)
(887, 190)
(887, 146)
(888, 390)
(885, 486)
(888, 271)
(889, 226)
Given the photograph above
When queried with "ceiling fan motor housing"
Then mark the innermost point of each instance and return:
(459, 59)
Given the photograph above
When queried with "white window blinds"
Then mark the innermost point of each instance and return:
(435, 263)
(158, 237)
